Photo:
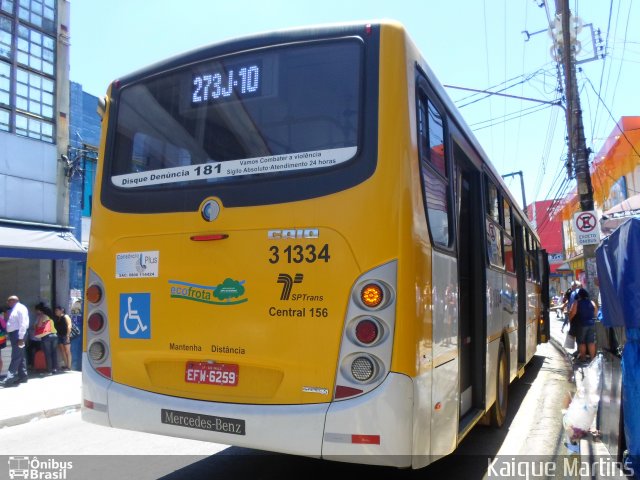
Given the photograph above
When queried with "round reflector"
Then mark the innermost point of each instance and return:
(362, 369)
(95, 321)
(97, 351)
(372, 295)
(94, 294)
(367, 331)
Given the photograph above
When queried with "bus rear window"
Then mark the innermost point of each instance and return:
(279, 111)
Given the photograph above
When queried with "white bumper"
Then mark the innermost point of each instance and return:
(316, 430)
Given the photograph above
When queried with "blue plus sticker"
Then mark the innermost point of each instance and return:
(135, 315)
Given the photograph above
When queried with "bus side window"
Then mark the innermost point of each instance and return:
(492, 201)
(494, 230)
(433, 169)
(531, 257)
(509, 262)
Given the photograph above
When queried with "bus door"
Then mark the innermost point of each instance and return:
(521, 273)
(471, 284)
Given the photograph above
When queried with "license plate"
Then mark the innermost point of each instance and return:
(211, 373)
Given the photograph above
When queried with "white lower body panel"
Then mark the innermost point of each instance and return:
(386, 413)
(317, 430)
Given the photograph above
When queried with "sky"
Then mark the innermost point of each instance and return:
(477, 44)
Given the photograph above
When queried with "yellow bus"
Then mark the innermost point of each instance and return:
(298, 246)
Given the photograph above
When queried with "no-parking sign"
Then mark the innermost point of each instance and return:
(586, 228)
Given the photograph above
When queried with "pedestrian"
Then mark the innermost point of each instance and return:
(570, 297)
(583, 312)
(33, 344)
(3, 335)
(565, 309)
(62, 322)
(17, 325)
(46, 332)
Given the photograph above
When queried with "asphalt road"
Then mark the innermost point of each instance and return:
(533, 427)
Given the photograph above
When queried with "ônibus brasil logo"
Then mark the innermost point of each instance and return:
(34, 468)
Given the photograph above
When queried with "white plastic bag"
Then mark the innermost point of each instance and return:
(581, 413)
(569, 341)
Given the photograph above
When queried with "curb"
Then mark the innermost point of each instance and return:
(585, 443)
(29, 417)
(562, 350)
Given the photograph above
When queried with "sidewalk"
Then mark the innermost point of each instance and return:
(46, 396)
(591, 448)
(41, 397)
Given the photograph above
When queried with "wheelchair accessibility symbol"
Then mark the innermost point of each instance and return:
(135, 315)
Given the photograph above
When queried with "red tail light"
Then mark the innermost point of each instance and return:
(96, 322)
(367, 331)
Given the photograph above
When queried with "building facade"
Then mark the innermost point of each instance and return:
(36, 241)
(549, 229)
(84, 139)
(615, 176)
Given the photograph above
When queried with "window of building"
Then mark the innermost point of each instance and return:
(89, 180)
(38, 12)
(34, 128)
(5, 83)
(6, 6)
(4, 120)
(34, 94)
(6, 28)
(35, 50)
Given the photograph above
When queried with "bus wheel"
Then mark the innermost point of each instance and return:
(499, 409)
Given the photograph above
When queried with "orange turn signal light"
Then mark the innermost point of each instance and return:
(372, 295)
(94, 294)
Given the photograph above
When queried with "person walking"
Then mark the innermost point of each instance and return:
(17, 325)
(3, 335)
(565, 309)
(62, 322)
(583, 312)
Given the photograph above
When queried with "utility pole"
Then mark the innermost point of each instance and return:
(578, 152)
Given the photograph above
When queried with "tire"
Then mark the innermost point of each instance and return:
(499, 409)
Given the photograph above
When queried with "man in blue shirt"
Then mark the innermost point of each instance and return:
(574, 294)
(569, 299)
(17, 325)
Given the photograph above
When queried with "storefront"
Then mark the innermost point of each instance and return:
(35, 260)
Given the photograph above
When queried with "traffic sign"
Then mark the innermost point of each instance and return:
(586, 228)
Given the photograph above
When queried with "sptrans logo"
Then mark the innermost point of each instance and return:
(36, 469)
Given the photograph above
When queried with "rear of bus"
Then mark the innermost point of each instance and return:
(243, 262)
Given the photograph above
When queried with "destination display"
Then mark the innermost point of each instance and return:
(226, 83)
